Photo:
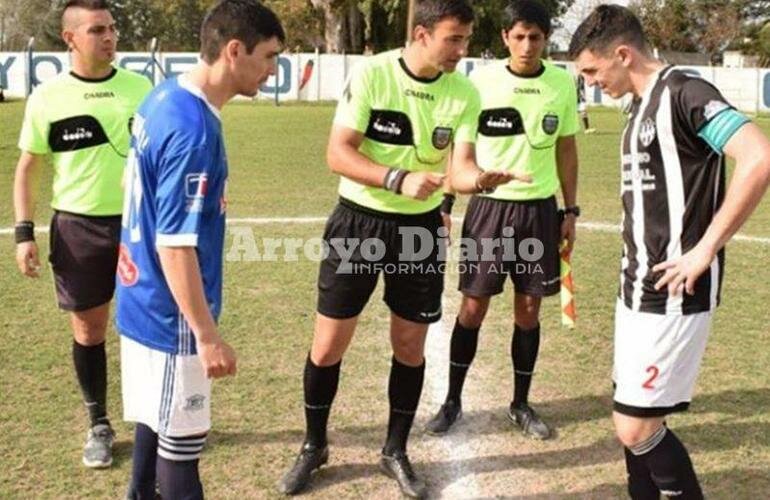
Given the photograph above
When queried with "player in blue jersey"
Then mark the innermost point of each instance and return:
(170, 264)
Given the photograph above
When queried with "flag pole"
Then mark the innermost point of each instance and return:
(410, 22)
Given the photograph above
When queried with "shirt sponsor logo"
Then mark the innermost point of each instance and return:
(642, 157)
(502, 122)
(713, 108)
(98, 95)
(644, 175)
(196, 186)
(128, 273)
(390, 127)
(79, 134)
(386, 127)
(75, 133)
(526, 90)
(419, 95)
(647, 132)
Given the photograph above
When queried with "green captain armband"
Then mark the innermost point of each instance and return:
(721, 128)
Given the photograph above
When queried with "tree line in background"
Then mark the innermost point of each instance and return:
(708, 26)
(355, 26)
(335, 26)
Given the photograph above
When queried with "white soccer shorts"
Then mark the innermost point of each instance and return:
(168, 393)
(657, 360)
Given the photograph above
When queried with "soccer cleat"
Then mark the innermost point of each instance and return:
(589, 131)
(297, 478)
(449, 413)
(529, 421)
(398, 467)
(133, 495)
(97, 452)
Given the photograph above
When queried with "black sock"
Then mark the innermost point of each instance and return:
(404, 389)
(463, 350)
(179, 480)
(585, 123)
(320, 386)
(144, 463)
(670, 466)
(91, 369)
(640, 484)
(524, 347)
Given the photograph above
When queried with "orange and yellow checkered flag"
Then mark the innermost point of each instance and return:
(568, 311)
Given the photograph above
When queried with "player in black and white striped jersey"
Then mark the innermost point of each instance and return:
(677, 217)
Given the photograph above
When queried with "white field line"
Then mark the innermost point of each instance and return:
(602, 227)
(453, 446)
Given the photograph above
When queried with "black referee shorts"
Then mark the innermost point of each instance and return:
(363, 243)
(84, 257)
(533, 266)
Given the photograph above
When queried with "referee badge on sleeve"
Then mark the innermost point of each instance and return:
(550, 124)
(442, 136)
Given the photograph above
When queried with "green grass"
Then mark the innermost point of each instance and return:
(277, 169)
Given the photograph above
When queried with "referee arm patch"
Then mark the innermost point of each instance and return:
(721, 128)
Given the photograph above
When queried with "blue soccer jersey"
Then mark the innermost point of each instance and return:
(174, 197)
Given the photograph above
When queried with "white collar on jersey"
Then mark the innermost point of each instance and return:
(654, 79)
(185, 83)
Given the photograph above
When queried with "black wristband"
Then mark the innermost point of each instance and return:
(24, 231)
(447, 203)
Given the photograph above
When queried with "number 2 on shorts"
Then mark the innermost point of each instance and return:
(653, 371)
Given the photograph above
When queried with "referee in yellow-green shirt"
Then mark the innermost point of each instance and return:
(397, 119)
(81, 121)
(527, 125)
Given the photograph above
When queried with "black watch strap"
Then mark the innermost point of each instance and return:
(573, 210)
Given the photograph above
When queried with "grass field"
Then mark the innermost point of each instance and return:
(277, 170)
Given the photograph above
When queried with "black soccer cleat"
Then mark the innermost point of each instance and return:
(297, 478)
(398, 467)
(529, 421)
(449, 413)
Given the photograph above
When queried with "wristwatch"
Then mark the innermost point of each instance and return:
(572, 210)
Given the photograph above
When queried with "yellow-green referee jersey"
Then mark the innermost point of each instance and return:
(521, 119)
(84, 125)
(407, 122)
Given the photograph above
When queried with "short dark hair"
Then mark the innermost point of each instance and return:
(87, 4)
(527, 11)
(247, 21)
(605, 27)
(429, 12)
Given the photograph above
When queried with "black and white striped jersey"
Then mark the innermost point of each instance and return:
(672, 183)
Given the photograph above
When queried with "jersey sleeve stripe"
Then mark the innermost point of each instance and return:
(176, 240)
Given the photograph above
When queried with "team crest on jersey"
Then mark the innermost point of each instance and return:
(128, 273)
(194, 403)
(713, 108)
(550, 124)
(647, 132)
(442, 136)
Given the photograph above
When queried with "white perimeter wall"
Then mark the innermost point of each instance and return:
(747, 89)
